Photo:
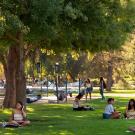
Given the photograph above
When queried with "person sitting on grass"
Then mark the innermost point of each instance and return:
(110, 112)
(18, 116)
(130, 111)
(78, 107)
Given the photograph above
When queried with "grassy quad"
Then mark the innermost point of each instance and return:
(51, 119)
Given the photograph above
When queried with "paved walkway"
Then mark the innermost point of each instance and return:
(53, 99)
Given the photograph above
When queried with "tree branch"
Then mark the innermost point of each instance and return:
(27, 50)
(9, 36)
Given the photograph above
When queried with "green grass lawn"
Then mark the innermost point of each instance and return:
(61, 120)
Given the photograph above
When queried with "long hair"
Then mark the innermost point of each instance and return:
(79, 96)
(101, 79)
(88, 80)
(129, 106)
(19, 102)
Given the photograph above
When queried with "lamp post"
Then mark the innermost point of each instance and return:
(57, 68)
(66, 88)
(79, 83)
(39, 71)
(47, 86)
(41, 78)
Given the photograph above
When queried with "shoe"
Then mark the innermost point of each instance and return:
(4, 124)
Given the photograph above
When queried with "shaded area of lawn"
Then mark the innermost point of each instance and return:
(61, 120)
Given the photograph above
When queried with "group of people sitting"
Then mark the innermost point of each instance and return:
(111, 113)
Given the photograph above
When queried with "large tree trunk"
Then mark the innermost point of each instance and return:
(10, 74)
(20, 75)
(109, 76)
(15, 77)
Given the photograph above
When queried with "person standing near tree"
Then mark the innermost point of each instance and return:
(102, 87)
(89, 88)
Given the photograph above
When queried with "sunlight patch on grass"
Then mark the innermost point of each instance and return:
(7, 111)
(29, 109)
(57, 116)
(66, 133)
(81, 116)
(54, 116)
(8, 134)
(10, 129)
(45, 116)
(60, 105)
(50, 126)
(122, 108)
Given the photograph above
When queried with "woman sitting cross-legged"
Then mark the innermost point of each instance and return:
(18, 116)
(130, 111)
(109, 112)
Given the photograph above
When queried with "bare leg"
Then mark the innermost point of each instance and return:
(90, 95)
(13, 122)
(115, 115)
(86, 96)
(26, 123)
(23, 123)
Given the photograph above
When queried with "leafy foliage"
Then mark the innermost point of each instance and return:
(81, 24)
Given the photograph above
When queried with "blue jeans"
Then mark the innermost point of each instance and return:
(88, 90)
(106, 116)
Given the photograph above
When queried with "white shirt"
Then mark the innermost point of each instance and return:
(88, 85)
(109, 109)
(18, 117)
(75, 104)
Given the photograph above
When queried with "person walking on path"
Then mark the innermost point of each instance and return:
(102, 87)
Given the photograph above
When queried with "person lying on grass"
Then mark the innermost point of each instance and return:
(110, 112)
(78, 107)
(130, 110)
(18, 116)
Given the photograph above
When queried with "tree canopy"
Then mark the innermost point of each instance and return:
(76, 24)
